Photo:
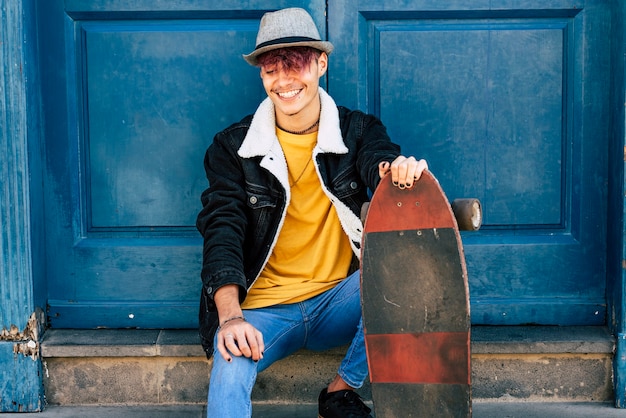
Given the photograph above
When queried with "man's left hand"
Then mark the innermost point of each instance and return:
(404, 170)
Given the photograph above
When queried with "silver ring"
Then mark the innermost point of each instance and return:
(229, 335)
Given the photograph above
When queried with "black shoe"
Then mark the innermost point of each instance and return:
(342, 404)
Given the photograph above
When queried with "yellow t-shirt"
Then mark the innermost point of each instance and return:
(312, 253)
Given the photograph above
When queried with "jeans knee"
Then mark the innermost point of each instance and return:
(240, 371)
(230, 387)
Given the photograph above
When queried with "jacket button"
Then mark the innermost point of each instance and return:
(354, 185)
(209, 290)
(253, 200)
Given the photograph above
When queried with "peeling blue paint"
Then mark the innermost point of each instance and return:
(20, 381)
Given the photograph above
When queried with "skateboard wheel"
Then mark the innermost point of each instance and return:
(468, 214)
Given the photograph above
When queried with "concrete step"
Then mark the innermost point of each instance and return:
(168, 367)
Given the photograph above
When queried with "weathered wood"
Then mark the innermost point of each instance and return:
(21, 387)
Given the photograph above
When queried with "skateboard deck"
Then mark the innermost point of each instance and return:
(415, 303)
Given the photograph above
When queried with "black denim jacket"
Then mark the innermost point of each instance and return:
(245, 204)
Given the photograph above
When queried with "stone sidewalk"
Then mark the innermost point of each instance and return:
(480, 410)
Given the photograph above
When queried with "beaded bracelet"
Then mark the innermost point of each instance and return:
(226, 321)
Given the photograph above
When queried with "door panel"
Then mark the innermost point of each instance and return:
(498, 102)
(140, 148)
(143, 87)
(508, 70)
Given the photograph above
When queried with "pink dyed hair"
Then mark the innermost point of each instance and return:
(295, 58)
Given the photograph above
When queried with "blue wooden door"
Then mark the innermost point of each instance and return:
(507, 100)
(133, 93)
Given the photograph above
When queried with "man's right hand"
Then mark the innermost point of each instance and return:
(235, 336)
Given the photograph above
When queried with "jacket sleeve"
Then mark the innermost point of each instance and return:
(222, 220)
(375, 147)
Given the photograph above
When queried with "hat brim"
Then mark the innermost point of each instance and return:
(323, 46)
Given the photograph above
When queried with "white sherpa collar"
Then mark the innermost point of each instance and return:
(261, 135)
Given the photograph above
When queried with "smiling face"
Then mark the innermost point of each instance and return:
(291, 81)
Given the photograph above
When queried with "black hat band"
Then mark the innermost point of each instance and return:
(286, 40)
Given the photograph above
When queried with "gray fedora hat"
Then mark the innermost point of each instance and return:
(287, 28)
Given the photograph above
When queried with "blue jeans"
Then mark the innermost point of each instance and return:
(325, 321)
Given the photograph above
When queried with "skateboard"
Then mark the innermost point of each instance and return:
(415, 300)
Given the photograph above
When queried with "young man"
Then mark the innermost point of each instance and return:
(281, 226)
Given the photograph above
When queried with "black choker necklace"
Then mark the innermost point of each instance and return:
(317, 122)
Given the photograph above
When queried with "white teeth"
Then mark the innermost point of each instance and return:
(288, 94)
